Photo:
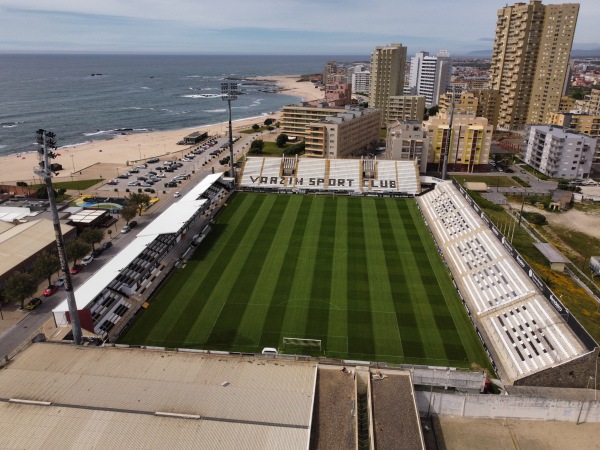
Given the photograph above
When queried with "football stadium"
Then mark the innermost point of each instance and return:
(336, 259)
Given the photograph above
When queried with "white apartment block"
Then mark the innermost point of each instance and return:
(430, 75)
(361, 82)
(559, 153)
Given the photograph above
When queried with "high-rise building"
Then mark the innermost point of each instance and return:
(430, 75)
(361, 81)
(387, 77)
(530, 60)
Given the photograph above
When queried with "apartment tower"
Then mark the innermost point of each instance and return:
(387, 77)
(530, 60)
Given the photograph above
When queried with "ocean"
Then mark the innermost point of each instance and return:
(91, 97)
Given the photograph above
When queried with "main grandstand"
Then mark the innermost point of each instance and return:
(354, 176)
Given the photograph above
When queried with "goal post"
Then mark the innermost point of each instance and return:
(289, 342)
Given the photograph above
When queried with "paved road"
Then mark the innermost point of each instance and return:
(12, 338)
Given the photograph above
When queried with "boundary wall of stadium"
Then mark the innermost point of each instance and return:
(508, 407)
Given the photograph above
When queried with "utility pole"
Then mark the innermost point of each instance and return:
(46, 140)
(229, 92)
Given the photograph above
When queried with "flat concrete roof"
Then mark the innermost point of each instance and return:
(550, 252)
(105, 397)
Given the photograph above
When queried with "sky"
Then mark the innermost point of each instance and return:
(307, 27)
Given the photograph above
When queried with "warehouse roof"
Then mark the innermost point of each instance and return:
(20, 242)
(119, 397)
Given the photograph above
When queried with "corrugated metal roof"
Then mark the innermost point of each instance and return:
(106, 398)
(550, 252)
(22, 241)
(173, 218)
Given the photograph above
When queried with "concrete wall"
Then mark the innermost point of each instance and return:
(503, 406)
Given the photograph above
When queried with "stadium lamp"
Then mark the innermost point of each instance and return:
(46, 141)
(229, 92)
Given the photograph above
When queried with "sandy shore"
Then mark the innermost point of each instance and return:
(114, 154)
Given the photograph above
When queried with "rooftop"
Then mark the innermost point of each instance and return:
(121, 397)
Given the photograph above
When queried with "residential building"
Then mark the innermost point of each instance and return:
(591, 103)
(406, 107)
(295, 118)
(361, 82)
(344, 134)
(587, 124)
(387, 77)
(338, 94)
(430, 75)
(464, 103)
(407, 140)
(530, 60)
(559, 153)
(566, 104)
(468, 145)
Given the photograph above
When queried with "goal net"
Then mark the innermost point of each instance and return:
(290, 342)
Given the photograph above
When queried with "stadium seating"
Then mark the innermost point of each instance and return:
(525, 331)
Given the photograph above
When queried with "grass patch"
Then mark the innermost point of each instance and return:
(80, 185)
(521, 182)
(534, 172)
(491, 181)
(361, 274)
(251, 131)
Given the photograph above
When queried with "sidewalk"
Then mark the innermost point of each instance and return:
(11, 316)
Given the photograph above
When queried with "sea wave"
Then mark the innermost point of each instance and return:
(146, 87)
(214, 110)
(202, 96)
(9, 124)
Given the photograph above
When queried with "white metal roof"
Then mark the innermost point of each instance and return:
(201, 187)
(173, 218)
(108, 272)
(10, 213)
(86, 215)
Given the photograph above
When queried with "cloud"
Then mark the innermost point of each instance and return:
(300, 26)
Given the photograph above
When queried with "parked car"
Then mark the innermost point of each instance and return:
(177, 194)
(97, 252)
(153, 160)
(152, 191)
(87, 260)
(60, 282)
(106, 245)
(76, 269)
(133, 224)
(125, 229)
(51, 289)
(133, 183)
(33, 303)
(113, 182)
(124, 176)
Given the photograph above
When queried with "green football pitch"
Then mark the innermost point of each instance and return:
(360, 274)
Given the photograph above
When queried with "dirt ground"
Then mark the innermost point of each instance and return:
(463, 433)
(586, 222)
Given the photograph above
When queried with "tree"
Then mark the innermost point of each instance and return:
(128, 212)
(92, 236)
(140, 201)
(77, 249)
(296, 149)
(42, 193)
(256, 147)
(256, 127)
(281, 140)
(46, 265)
(19, 286)
(268, 122)
(270, 128)
(433, 110)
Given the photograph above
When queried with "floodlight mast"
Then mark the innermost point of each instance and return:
(47, 139)
(229, 92)
(449, 140)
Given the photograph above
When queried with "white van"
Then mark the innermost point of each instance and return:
(269, 351)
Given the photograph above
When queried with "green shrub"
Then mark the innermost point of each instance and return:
(535, 218)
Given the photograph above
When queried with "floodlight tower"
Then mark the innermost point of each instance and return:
(229, 92)
(449, 140)
(47, 140)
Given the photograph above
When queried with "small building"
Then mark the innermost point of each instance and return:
(556, 259)
(194, 138)
(595, 264)
(561, 200)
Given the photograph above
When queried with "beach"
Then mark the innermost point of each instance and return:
(107, 158)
